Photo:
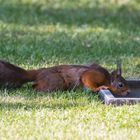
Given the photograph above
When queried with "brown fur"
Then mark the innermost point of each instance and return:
(12, 76)
(67, 77)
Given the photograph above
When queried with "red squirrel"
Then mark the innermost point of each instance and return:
(64, 77)
(93, 77)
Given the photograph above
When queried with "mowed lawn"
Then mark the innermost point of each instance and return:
(43, 33)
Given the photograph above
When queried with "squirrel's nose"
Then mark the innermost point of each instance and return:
(126, 93)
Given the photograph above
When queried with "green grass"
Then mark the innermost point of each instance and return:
(44, 33)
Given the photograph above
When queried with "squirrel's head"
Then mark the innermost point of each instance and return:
(119, 85)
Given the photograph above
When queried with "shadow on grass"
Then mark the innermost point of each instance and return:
(35, 100)
(32, 106)
(28, 93)
(58, 100)
(123, 17)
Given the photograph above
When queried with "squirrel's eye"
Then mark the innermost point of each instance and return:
(120, 84)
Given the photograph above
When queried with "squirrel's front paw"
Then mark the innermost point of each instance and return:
(103, 87)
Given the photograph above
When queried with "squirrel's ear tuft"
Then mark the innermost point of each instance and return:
(119, 69)
(114, 74)
(118, 72)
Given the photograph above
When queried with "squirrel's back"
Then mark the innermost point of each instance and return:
(64, 77)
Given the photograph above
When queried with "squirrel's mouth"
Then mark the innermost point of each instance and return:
(123, 93)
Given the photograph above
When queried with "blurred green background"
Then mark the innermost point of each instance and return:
(49, 32)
